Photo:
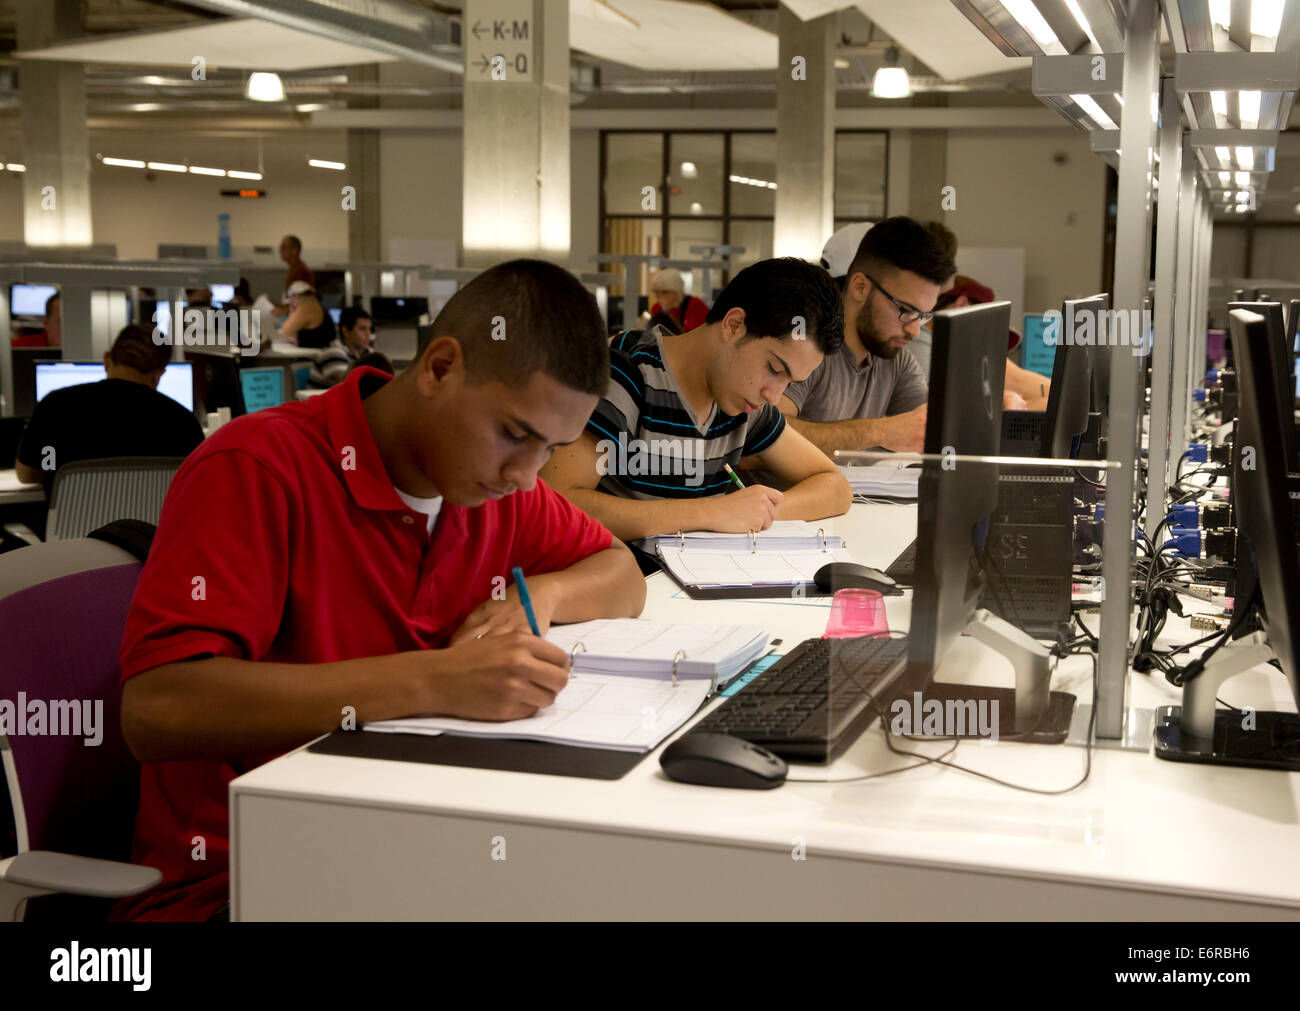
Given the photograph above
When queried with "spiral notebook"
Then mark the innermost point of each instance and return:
(778, 562)
(633, 683)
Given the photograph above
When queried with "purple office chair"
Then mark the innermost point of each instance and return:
(74, 792)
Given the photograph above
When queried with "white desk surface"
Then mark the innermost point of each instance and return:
(13, 491)
(1139, 825)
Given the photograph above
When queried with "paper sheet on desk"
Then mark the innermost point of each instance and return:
(886, 479)
(746, 568)
(593, 711)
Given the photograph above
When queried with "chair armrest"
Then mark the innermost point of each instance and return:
(23, 532)
(63, 872)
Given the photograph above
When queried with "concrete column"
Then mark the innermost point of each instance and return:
(516, 130)
(56, 186)
(363, 173)
(805, 135)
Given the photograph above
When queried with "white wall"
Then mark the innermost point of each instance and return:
(1011, 192)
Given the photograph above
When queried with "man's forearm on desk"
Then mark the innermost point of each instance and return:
(828, 436)
(607, 584)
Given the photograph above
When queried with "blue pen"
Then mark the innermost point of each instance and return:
(525, 599)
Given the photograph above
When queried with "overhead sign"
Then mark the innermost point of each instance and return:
(499, 39)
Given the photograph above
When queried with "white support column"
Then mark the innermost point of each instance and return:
(1132, 247)
(1186, 293)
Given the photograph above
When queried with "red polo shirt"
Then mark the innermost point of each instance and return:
(282, 539)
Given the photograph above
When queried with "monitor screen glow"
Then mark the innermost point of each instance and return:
(177, 381)
(29, 299)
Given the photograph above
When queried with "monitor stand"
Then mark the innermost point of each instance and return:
(1198, 732)
(1031, 713)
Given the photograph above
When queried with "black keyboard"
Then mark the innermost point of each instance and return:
(902, 570)
(816, 700)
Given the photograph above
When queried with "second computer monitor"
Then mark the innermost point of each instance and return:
(1066, 416)
(955, 501)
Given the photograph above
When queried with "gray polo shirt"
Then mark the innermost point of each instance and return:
(838, 390)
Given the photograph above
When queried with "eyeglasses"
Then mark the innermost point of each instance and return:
(907, 314)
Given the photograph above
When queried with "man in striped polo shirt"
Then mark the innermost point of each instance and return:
(680, 408)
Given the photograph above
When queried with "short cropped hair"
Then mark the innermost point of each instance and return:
(526, 316)
(349, 316)
(904, 244)
(774, 292)
(945, 237)
(134, 348)
(295, 242)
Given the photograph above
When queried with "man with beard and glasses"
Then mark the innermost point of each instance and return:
(871, 392)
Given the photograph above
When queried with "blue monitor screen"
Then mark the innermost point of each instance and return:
(29, 299)
(1036, 354)
(262, 388)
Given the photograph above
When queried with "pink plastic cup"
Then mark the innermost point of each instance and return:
(855, 613)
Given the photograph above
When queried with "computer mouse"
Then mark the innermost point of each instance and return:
(852, 576)
(709, 759)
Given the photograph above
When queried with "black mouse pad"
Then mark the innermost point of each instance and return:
(482, 753)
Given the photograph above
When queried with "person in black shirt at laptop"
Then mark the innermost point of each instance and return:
(123, 415)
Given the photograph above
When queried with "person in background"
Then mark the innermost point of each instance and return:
(52, 334)
(308, 325)
(710, 395)
(871, 392)
(374, 360)
(353, 343)
(121, 415)
(291, 254)
(668, 295)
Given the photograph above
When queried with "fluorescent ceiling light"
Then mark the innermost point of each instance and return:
(264, 87)
(166, 166)
(311, 107)
(153, 79)
(322, 163)
(1242, 196)
(891, 82)
(1241, 178)
(1221, 13)
(1246, 157)
(1098, 114)
(198, 170)
(145, 107)
(1266, 18)
(1248, 103)
(1120, 99)
(1027, 16)
(14, 166)
(1083, 22)
(689, 171)
(1224, 155)
(236, 174)
(123, 162)
(1219, 102)
(1225, 178)
(696, 207)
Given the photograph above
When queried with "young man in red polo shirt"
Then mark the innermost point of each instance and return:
(348, 555)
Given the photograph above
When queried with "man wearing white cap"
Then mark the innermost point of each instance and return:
(872, 392)
(308, 325)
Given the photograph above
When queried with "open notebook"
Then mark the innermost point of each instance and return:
(775, 562)
(622, 694)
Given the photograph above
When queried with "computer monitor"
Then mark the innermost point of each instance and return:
(956, 505)
(216, 382)
(1066, 417)
(1036, 354)
(263, 387)
(964, 416)
(406, 309)
(29, 299)
(1266, 516)
(1282, 362)
(222, 293)
(177, 379)
(24, 366)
